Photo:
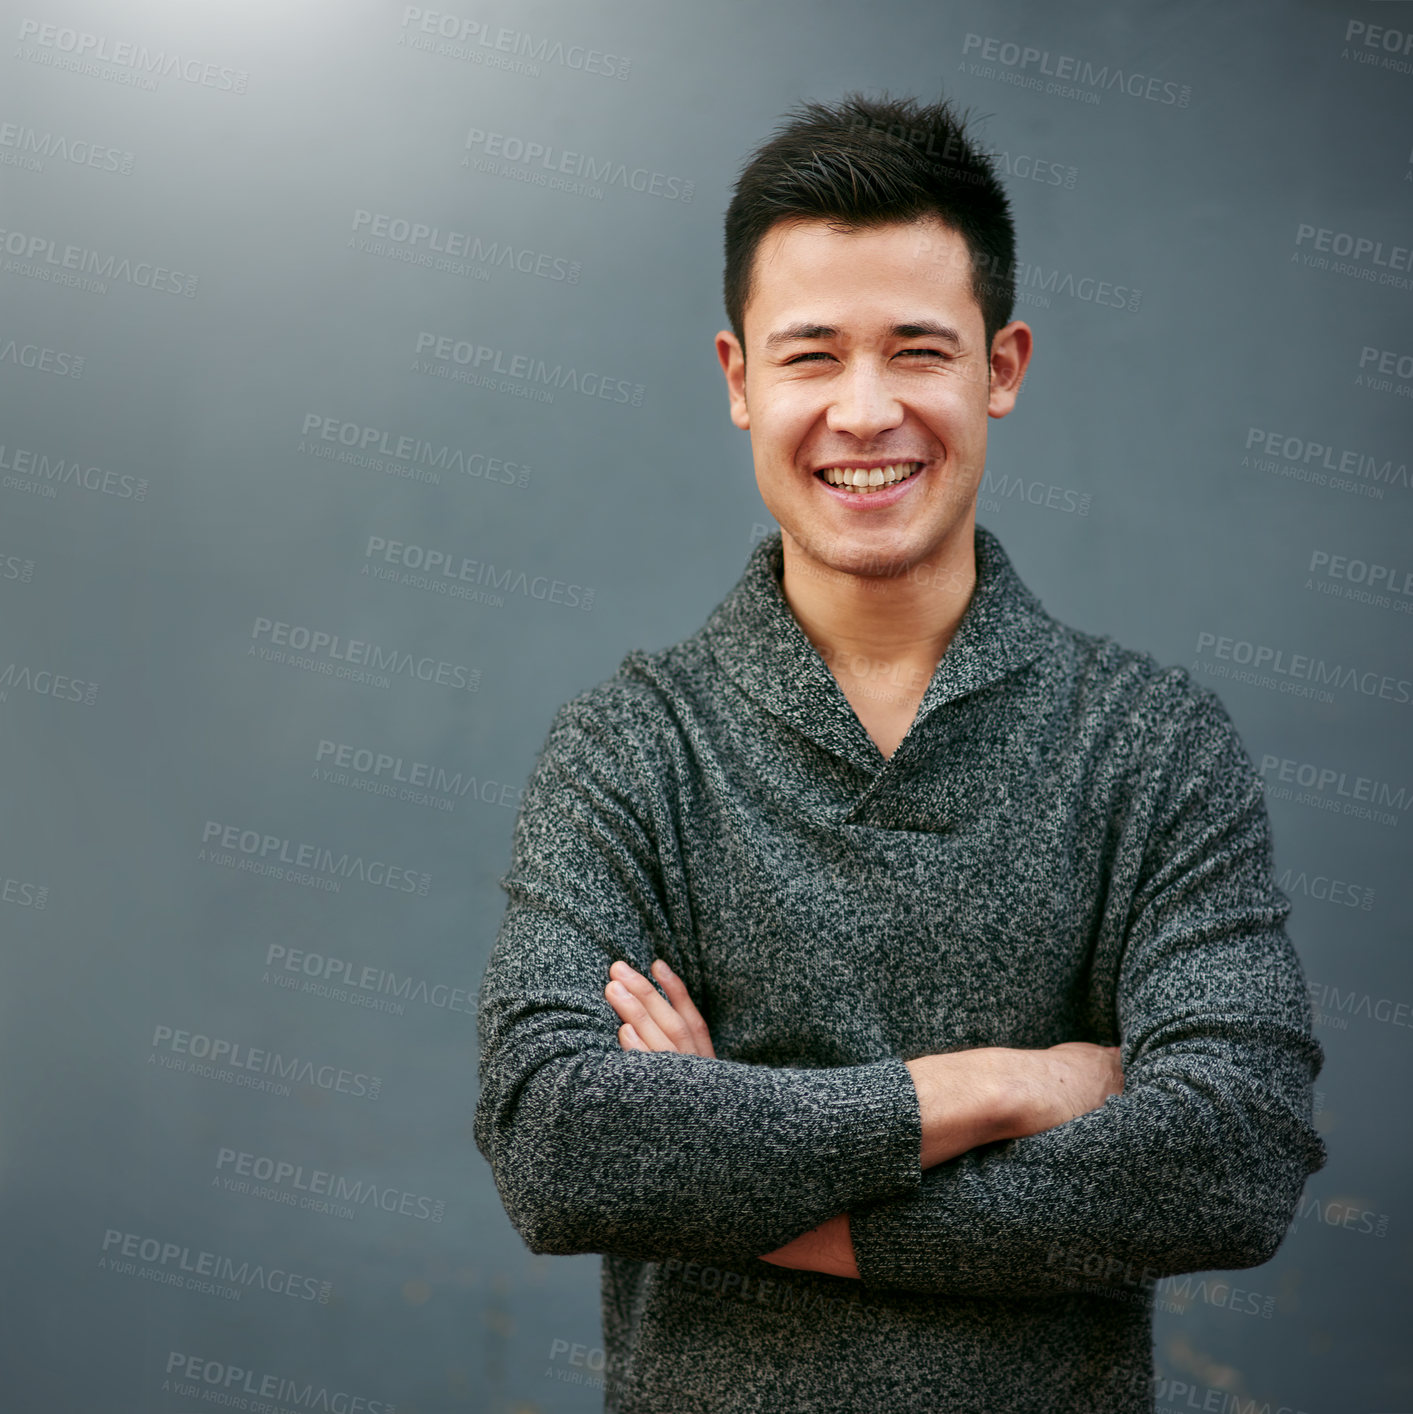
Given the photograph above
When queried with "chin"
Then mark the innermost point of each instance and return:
(871, 556)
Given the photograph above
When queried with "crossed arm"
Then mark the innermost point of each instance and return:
(1191, 1157)
(965, 1098)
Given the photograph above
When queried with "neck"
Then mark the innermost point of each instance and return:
(868, 623)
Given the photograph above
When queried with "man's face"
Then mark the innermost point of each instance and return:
(867, 350)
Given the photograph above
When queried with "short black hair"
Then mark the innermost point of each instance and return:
(869, 162)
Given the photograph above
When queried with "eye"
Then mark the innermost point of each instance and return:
(920, 353)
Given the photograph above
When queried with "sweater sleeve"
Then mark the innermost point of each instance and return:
(1198, 1165)
(637, 1154)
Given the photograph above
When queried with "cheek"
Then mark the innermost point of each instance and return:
(782, 423)
(801, 403)
(959, 418)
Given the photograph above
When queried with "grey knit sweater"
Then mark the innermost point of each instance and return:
(1069, 844)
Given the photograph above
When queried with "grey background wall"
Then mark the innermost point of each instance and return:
(352, 422)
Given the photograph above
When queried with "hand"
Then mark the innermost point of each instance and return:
(828, 1248)
(649, 1022)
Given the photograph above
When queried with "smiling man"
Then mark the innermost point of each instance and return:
(974, 1011)
(872, 383)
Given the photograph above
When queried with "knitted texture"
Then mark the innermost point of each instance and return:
(1070, 844)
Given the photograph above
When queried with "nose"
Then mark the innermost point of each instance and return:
(862, 403)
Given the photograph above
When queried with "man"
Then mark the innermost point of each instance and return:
(978, 1015)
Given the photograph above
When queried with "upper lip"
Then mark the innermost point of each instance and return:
(848, 465)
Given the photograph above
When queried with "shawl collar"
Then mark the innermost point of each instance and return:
(758, 642)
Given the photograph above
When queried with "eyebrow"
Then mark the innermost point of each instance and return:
(921, 329)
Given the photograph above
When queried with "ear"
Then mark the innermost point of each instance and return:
(1010, 356)
(733, 365)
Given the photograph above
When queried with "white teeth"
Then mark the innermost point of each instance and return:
(861, 480)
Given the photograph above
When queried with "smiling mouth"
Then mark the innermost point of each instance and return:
(862, 480)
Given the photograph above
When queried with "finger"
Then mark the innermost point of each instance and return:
(656, 1007)
(629, 1039)
(625, 1001)
(626, 1006)
(680, 998)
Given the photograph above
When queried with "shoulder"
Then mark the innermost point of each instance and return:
(1174, 720)
(637, 719)
(648, 690)
(1091, 678)
(1131, 679)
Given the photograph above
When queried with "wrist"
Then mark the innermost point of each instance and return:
(999, 1103)
(966, 1098)
(1013, 1091)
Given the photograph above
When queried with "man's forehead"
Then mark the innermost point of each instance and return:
(926, 253)
(911, 286)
